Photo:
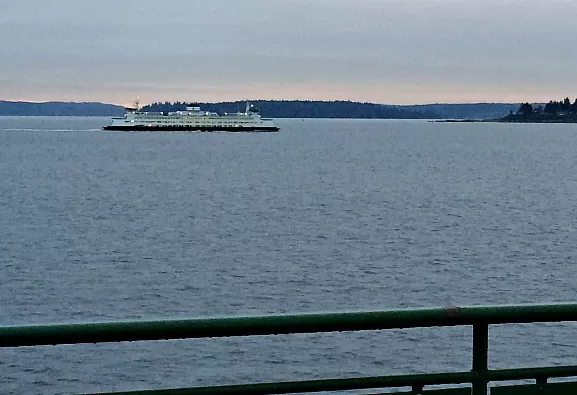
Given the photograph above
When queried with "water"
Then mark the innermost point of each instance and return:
(328, 215)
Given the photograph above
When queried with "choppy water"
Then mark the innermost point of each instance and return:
(328, 215)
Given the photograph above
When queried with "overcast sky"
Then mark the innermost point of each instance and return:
(385, 51)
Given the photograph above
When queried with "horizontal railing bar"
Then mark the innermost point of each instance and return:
(288, 387)
(36, 335)
(364, 382)
(532, 373)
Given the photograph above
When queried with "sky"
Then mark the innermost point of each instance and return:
(383, 51)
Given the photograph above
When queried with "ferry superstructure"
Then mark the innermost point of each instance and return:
(192, 119)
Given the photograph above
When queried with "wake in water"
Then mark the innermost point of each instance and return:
(49, 130)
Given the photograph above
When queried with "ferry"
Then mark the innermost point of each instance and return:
(192, 119)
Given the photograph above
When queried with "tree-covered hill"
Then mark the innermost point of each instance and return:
(58, 108)
(280, 109)
(349, 109)
(305, 109)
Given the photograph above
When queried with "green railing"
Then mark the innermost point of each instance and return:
(480, 318)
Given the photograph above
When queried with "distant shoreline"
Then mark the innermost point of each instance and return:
(504, 120)
(337, 109)
(500, 121)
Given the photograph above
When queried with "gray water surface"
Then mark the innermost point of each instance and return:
(327, 215)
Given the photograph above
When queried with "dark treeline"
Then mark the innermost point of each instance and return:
(305, 109)
(554, 111)
(553, 107)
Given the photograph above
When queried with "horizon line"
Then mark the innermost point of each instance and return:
(280, 100)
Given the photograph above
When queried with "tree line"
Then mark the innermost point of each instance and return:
(552, 108)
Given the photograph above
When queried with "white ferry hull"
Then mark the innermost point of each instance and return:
(191, 128)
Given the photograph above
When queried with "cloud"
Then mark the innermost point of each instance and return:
(339, 49)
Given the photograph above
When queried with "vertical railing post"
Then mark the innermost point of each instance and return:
(480, 358)
(541, 380)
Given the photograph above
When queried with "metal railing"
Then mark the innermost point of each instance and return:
(480, 318)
